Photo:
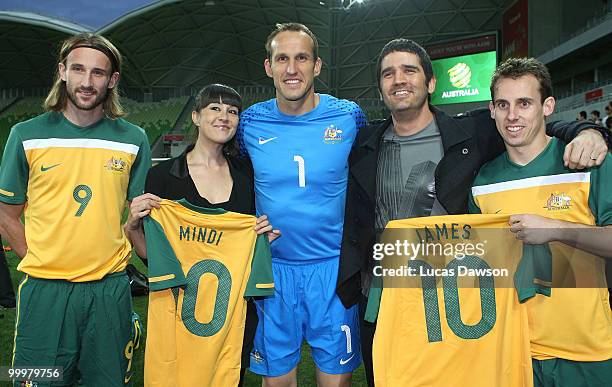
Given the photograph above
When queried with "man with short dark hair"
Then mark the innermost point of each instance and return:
(582, 116)
(71, 171)
(419, 162)
(299, 144)
(570, 331)
(595, 117)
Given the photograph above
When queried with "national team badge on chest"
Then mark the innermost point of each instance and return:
(558, 201)
(332, 135)
(117, 165)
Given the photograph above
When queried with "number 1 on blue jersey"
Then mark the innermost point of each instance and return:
(301, 171)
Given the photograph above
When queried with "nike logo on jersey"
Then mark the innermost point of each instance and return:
(45, 169)
(263, 141)
(343, 362)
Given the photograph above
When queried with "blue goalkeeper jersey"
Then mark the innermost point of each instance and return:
(301, 171)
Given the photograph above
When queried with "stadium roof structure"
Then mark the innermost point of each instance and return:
(29, 44)
(189, 43)
(194, 42)
(361, 33)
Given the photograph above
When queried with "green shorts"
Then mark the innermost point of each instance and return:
(562, 373)
(86, 328)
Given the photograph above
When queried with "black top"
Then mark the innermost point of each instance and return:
(170, 179)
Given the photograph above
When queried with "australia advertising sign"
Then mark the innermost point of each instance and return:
(463, 78)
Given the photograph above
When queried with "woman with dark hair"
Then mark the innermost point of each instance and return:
(208, 174)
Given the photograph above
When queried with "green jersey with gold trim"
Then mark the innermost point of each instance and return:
(75, 182)
(575, 322)
(202, 265)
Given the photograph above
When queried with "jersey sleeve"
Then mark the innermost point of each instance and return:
(261, 281)
(14, 170)
(374, 296)
(139, 169)
(600, 199)
(244, 119)
(360, 118)
(568, 130)
(472, 206)
(165, 270)
(534, 272)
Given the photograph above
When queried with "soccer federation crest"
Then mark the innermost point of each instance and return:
(256, 356)
(558, 201)
(332, 135)
(116, 165)
(460, 75)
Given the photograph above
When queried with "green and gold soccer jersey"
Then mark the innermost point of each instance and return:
(575, 322)
(74, 182)
(202, 265)
(442, 325)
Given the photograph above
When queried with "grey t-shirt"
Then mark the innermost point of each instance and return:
(405, 182)
(406, 175)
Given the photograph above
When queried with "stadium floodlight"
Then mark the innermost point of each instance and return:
(349, 3)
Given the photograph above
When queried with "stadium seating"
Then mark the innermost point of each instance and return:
(155, 118)
(373, 108)
(21, 110)
(567, 107)
(24, 109)
(5, 102)
(4, 132)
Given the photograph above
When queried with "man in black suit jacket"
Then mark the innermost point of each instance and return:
(420, 162)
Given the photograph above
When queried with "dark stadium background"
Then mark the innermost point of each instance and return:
(172, 48)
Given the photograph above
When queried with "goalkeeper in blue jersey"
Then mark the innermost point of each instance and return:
(299, 144)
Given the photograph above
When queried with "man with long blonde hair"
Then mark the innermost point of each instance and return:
(71, 170)
(108, 96)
